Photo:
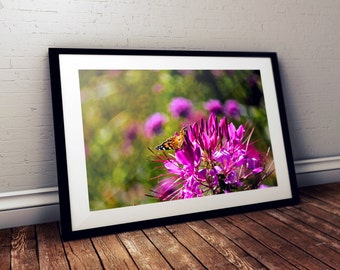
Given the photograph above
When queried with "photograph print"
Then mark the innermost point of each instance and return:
(160, 135)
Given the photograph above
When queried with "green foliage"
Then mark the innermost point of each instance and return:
(116, 105)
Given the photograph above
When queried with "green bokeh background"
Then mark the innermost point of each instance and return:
(114, 102)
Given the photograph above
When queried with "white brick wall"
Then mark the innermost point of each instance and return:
(304, 33)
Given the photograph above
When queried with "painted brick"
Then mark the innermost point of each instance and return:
(304, 35)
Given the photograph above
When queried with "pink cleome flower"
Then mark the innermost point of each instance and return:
(216, 158)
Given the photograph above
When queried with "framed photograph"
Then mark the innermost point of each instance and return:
(147, 138)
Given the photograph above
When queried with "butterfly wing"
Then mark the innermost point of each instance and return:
(173, 143)
(168, 144)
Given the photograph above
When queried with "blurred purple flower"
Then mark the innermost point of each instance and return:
(154, 124)
(232, 108)
(157, 87)
(216, 158)
(253, 79)
(131, 132)
(214, 106)
(184, 72)
(217, 73)
(114, 73)
(130, 135)
(180, 107)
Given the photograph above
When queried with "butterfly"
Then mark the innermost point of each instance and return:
(173, 143)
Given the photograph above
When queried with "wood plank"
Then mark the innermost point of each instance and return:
(322, 201)
(330, 190)
(112, 253)
(261, 252)
(328, 256)
(51, 251)
(321, 211)
(82, 255)
(323, 198)
(227, 248)
(5, 249)
(23, 252)
(177, 255)
(313, 221)
(322, 238)
(279, 245)
(143, 252)
(201, 249)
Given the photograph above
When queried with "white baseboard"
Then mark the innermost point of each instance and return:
(317, 165)
(317, 171)
(28, 198)
(29, 216)
(26, 207)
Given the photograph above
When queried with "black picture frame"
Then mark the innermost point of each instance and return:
(97, 72)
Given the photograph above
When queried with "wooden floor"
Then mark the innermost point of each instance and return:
(305, 236)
